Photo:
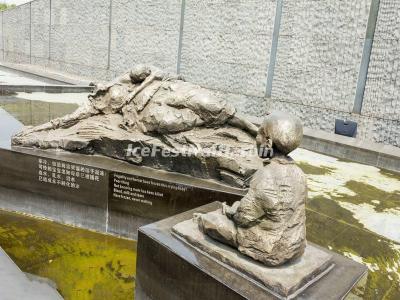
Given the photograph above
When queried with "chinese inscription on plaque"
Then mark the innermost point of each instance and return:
(66, 174)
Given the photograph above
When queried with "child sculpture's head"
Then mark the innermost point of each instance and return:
(280, 133)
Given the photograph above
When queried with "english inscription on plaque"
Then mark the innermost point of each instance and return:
(157, 199)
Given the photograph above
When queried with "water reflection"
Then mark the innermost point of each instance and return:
(17, 113)
(30, 112)
(8, 127)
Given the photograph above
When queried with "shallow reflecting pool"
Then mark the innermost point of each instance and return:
(83, 264)
(38, 108)
(354, 209)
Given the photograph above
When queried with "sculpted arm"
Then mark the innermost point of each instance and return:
(247, 211)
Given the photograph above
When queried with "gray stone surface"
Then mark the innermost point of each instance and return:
(17, 34)
(16, 285)
(382, 90)
(287, 280)
(79, 34)
(319, 52)
(40, 28)
(371, 129)
(362, 151)
(42, 72)
(145, 32)
(1, 37)
(227, 46)
(250, 105)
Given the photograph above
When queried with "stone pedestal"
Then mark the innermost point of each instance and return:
(99, 193)
(170, 267)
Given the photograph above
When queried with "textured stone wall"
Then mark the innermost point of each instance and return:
(40, 30)
(17, 34)
(1, 37)
(382, 91)
(79, 36)
(319, 52)
(145, 32)
(226, 45)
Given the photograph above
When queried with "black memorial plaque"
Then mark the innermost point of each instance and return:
(60, 179)
(94, 181)
(158, 199)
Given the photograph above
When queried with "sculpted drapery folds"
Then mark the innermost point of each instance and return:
(149, 108)
(151, 100)
(268, 224)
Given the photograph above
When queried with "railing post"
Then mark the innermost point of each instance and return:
(366, 56)
(179, 56)
(274, 47)
(109, 36)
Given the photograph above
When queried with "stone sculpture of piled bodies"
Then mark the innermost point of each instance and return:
(149, 108)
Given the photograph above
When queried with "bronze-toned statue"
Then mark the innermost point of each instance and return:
(268, 224)
(149, 108)
(151, 100)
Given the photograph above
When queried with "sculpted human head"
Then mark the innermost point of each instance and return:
(281, 132)
(139, 73)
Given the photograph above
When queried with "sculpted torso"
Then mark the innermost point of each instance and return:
(268, 224)
(154, 101)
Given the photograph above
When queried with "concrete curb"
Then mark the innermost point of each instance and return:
(44, 74)
(58, 89)
(370, 153)
(361, 151)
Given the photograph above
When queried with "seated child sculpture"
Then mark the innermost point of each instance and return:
(268, 224)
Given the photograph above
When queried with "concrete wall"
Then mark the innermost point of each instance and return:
(309, 57)
(40, 30)
(17, 34)
(144, 32)
(382, 92)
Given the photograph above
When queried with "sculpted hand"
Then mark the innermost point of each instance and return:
(228, 210)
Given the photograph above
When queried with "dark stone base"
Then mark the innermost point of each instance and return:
(109, 195)
(169, 268)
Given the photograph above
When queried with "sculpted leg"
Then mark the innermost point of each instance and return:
(216, 225)
(67, 121)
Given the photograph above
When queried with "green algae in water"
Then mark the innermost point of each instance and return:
(365, 193)
(331, 230)
(84, 265)
(313, 170)
(334, 227)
